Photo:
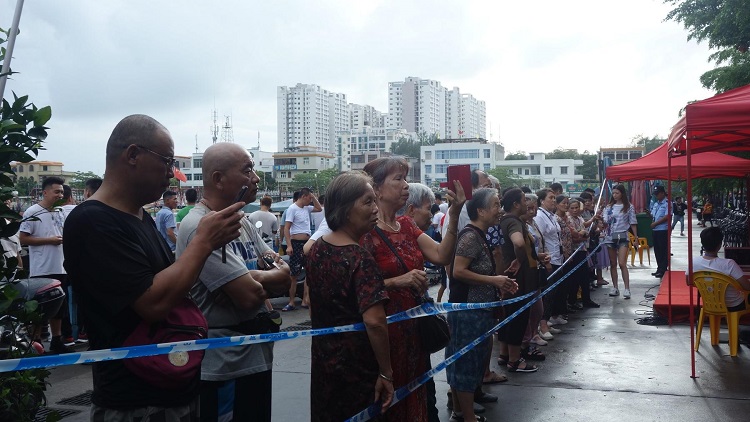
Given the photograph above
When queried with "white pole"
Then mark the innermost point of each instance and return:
(11, 44)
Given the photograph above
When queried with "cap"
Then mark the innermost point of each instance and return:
(659, 188)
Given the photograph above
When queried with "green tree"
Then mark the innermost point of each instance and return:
(318, 180)
(78, 181)
(725, 26)
(562, 153)
(649, 144)
(267, 181)
(24, 185)
(519, 155)
(407, 147)
(506, 177)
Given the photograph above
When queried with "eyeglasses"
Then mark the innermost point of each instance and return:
(168, 161)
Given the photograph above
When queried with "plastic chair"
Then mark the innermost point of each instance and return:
(642, 244)
(712, 287)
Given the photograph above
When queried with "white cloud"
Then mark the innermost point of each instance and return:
(579, 74)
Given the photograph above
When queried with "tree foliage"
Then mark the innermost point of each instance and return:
(506, 177)
(409, 147)
(78, 181)
(649, 144)
(725, 26)
(562, 153)
(267, 181)
(318, 181)
(518, 155)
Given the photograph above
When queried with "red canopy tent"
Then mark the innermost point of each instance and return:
(654, 166)
(719, 123)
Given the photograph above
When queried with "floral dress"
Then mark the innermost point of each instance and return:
(408, 360)
(566, 239)
(344, 282)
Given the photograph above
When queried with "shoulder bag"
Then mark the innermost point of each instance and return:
(434, 334)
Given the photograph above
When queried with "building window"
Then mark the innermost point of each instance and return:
(486, 166)
(199, 176)
(474, 167)
(20, 169)
(531, 157)
(457, 154)
(526, 172)
(189, 176)
(306, 160)
(197, 163)
(428, 155)
(486, 153)
(428, 168)
(564, 170)
(548, 170)
(519, 170)
(31, 167)
(441, 168)
(44, 168)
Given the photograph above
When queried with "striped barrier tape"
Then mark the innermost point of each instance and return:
(130, 352)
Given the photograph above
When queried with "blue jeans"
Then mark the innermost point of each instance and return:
(678, 218)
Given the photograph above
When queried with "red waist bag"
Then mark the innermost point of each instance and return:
(169, 371)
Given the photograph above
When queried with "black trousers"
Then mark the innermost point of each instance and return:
(660, 250)
(252, 398)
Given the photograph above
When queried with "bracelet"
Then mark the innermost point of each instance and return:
(389, 379)
(453, 231)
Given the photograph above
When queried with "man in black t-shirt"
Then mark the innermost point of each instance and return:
(123, 272)
(678, 212)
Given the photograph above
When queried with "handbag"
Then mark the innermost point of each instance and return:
(185, 322)
(618, 236)
(433, 330)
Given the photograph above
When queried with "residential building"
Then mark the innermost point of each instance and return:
(478, 153)
(417, 105)
(621, 155)
(310, 116)
(545, 170)
(38, 170)
(360, 158)
(192, 166)
(361, 116)
(294, 161)
(372, 138)
(465, 116)
(263, 159)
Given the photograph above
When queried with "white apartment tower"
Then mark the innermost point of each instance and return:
(417, 105)
(365, 115)
(465, 116)
(310, 116)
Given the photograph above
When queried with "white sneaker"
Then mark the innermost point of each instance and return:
(614, 292)
(557, 321)
(626, 294)
(554, 330)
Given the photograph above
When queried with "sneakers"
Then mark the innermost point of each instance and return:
(56, 346)
(538, 340)
(626, 294)
(69, 341)
(557, 321)
(614, 292)
(554, 330)
(459, 417)
(82, 338)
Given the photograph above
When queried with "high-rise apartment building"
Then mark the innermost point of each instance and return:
(465, 116)
(365, 115)
(310, 116)
(417, 105)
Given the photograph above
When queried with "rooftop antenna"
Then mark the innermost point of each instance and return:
(491, 131)
(258, 140)
(196, 143)
(214, 127)
(227, 135)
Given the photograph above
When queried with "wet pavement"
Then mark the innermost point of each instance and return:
(603, 366)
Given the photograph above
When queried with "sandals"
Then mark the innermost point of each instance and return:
(533, 354)
(502, 360)
(459, 417)
(494, 378)
(516, 366)
(288, 308)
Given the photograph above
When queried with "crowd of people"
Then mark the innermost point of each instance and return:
(364, 253)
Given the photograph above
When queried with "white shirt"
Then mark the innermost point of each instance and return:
(44, 259)
(724, 266)
(300, 219)
(436, 218)
(444, 207)
(322, 230)
(550, 230)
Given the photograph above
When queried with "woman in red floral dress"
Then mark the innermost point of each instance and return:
(405, 279)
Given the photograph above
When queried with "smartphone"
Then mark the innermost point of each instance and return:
(240, 195)
(462, 173)
(270, 261)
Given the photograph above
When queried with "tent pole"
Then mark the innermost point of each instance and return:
(690, 257)
(669, 237)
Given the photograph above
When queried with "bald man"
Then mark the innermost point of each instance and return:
(231, 293)
(124, 274)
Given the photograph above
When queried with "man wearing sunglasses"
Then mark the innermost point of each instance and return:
(125, 275)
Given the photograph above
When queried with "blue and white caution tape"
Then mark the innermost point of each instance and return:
(215, 343)
(398, 395)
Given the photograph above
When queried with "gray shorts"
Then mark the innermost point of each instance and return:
(618, 244)
(187, 413)
(467, 372)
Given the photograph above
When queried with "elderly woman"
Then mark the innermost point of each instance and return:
(550, 231)
(474, 280)
(349, 370)
(519, 258)
(580, 236)
(400, 248)
(419, 205)
(532, 339)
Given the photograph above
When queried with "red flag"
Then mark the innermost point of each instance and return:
(179, 175)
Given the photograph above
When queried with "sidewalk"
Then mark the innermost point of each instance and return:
(603, 366)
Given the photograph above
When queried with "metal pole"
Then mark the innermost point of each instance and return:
(690, 256)
(11, 44)
(669, 236)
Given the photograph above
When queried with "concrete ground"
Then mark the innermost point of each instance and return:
(603, 366)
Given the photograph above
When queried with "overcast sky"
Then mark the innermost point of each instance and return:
(577, 74)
